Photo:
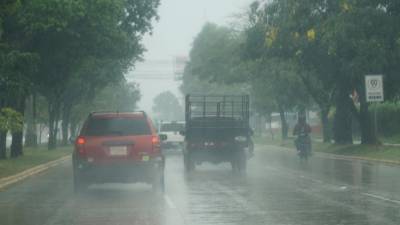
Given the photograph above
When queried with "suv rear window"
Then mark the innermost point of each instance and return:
(116, 127)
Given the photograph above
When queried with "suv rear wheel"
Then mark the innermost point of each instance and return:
(80, 185)
(158, 184)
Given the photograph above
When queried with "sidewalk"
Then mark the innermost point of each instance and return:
(386, 153)
(337, 156)
(320, 140)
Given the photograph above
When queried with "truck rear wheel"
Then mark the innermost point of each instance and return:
(239, 162)
(188, 163)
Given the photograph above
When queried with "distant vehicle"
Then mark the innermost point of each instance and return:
(118, 147)
(303, 143)
(173, 131)
(217, 130)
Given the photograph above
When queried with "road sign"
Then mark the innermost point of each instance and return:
(179, 66)
(374, 88)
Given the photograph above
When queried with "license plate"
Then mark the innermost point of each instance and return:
(145, 158)
(118, 151)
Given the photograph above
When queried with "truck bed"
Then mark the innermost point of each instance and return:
(218, 116)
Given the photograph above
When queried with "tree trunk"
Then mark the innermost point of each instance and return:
(284, 124)
(40, 134)
(3, 144)
(53, 109)
(73, 129)
(269, 120)
(326, 131)
(342, 127)
(16, 144)
(34, 119)
(17, 136)
(31, 133)
(65, 124)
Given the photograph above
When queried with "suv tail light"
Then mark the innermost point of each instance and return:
(155, 140)
(80, 143)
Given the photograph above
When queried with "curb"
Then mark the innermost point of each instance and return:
(7, 181)
(342, 157)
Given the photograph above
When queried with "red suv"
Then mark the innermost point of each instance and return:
(118, 148)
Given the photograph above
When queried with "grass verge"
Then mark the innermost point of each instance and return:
(372, 152)
(395, 139)
(32, 157)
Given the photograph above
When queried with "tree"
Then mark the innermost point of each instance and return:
(222, 56)
(215, 55)
(214, 66)
(333, 43)
(167, 107)
(10, 120)
(281, 30)
(119, 97)
(49, 48)
(17, 65)
(363, 37)
(275, 75)
(106, 34)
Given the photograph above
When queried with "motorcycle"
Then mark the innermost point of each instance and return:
(303, 145)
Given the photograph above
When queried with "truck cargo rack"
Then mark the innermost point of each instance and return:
(217, 111)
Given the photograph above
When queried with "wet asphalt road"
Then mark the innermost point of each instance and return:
(278, 189)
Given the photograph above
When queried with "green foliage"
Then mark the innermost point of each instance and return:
(215, 66)
(215, 55)
(167, 107)
(332, 45)
(70, 51)
(10, 120)
(121, 97)
(388, 118)
(195, 85)
(118, 97)
(16, 69)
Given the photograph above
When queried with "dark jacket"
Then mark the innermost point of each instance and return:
(301, 128)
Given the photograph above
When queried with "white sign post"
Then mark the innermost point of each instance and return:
(374, 93)
(374, 88)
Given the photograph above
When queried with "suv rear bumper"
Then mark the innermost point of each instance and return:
(126, 172)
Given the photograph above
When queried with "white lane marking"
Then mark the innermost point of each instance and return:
(170, 203)
(382, 198)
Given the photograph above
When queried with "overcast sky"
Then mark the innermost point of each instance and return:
(180, 21)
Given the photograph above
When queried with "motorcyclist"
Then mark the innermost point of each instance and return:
(301, 130)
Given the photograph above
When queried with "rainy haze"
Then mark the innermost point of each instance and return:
(199, 112)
